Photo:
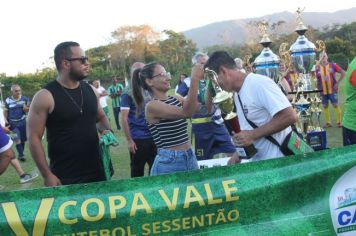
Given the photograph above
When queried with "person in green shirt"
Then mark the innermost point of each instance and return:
(349, 121)
(115, 91)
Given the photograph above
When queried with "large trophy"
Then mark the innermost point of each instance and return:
(267, 63)
(225, 102)
(222, 98)
(302, 54)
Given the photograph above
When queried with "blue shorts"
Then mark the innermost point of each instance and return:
(332, 97)
(209, 139)
(5, 141)
(19, 129)
(169, 161)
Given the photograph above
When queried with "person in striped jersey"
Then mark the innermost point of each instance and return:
(166, 117)
(327, 81)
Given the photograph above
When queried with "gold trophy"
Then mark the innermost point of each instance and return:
(303, 108)
(317, 112)
(222, 98)
(226, 103)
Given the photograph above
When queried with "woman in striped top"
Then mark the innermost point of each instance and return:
(166, 117)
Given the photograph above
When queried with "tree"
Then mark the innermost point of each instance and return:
(133, 43)
(176, 53)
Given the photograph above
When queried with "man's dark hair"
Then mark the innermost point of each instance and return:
(63, 51)
(218, 59)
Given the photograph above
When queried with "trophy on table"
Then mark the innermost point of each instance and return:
(303, 111)
(316, 112)
(225, 102)
(267, 63)
(303, 54)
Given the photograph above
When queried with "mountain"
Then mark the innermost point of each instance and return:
(242, 30)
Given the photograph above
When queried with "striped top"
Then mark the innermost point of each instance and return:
(169, 133)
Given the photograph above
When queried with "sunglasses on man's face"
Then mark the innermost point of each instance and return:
(82, 60)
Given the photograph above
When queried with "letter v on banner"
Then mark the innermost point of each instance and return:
(14, 221)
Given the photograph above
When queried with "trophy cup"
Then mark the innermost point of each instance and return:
(267, 63)
(303, 54)
(226, 103)
(222, 98)
(302, 106)
(317, 111)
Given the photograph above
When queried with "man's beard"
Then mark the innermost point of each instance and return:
(77, 76)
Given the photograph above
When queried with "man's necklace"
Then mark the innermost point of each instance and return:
(80, 108)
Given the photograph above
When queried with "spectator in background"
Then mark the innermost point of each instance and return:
(285, 81)
(6, 153)
(240, 64)
(325, 72)
(182, 77)
(349, 121)
(210, 135)
(16, 109)
(5, 142)
(139, 139)
(115, 91)
(103, 97)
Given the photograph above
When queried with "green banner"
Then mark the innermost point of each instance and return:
(313, 194)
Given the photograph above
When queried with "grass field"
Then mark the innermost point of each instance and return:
(121, 161)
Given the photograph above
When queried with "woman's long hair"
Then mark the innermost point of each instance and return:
(139, 84)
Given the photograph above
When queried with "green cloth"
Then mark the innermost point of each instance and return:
(106, 141)
(106, 111)
(211, 88)
(349, 120)
(113, 89)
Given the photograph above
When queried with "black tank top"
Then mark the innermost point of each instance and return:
(73, 143)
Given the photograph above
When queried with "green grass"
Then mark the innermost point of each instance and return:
(121, 159)
(119, 154)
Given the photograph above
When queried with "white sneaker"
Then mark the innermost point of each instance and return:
(28, 177)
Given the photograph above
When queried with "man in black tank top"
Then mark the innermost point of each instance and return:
(69, 109)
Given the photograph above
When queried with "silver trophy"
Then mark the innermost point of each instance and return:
(267, 63)
(303, 110)
(303, 54)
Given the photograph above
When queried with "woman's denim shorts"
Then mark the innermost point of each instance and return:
(169, 161)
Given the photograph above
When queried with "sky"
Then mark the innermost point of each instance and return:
(30, 29)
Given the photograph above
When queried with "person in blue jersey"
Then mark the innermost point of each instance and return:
(16, 109)
(166, 117)
(6, 153)
(4, 143)
(69, 109)
(210, 135)
(140, 143)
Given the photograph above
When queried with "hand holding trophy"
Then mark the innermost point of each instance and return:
(226, 103)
